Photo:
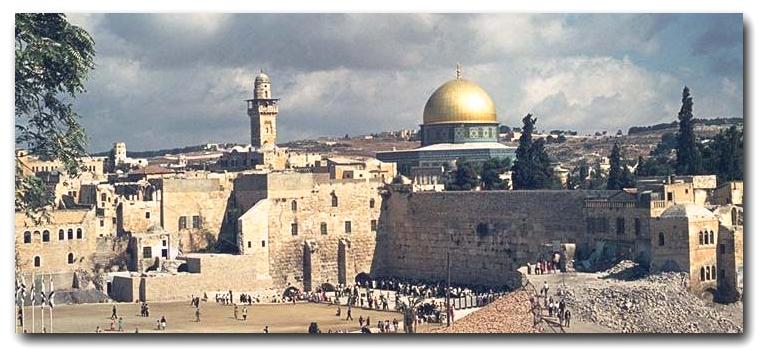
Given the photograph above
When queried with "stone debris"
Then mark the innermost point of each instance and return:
(509, 314)
(656, 303)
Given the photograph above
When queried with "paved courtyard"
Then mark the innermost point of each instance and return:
(215, 318)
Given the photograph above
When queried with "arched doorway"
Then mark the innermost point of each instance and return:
(290, 292)
(363, 279)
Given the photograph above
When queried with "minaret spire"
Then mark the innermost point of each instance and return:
(458, 71)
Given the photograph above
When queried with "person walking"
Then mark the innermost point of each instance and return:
(546, 289)
(349, 313)
(114, 312)
(197, 314)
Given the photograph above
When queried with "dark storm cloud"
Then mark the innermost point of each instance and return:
(165, 80)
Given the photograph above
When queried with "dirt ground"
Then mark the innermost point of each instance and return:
(215, 318)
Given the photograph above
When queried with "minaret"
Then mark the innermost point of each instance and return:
(262, 110)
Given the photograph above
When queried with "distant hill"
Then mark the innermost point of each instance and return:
(162, 152)
(673, 125)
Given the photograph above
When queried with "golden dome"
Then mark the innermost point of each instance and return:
(459, 101)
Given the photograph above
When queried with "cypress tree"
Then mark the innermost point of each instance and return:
(688, 155)
(532, 168)
(614, 173)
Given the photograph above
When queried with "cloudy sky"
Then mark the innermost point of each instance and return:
(167, 80)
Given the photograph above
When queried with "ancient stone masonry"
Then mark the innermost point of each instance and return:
(488, 234)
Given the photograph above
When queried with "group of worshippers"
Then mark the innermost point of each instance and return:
(553, 265)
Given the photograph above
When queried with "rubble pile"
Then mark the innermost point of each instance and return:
(509, 314)
(656, 303)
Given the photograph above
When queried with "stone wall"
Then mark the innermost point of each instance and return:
(137, 216)
(206, 199)
(488, 234)
(217, 273)
(311, 241)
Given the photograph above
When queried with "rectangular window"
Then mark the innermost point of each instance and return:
(669, 196)
(101, 222)
(619, 226)
(373, 225)
(323, 229)
(147, 252)
(294, 229)
(348, 227)
(182, 222)
(263, 243)
(196, 222)
(164, 253)
(146, 215)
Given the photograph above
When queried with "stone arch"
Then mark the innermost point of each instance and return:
(702, 274)
(46, 236)
(294, 205)
(706, 237)
(327, 287)
(363, 279)
(27, 237)
(372, 203)
(70, 234)
(79, 233)
(711, 237)
(290, 291)
(61, 234)
(70, 258)
(36, 235)
(37, 261)
(734, 216)
(701, 238)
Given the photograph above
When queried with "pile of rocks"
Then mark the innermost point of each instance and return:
(509, 314)
(658, 303)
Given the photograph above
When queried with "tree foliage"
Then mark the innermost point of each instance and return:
(463, 178)
(724, 155)
(490, 174)
(53, 59)
(688, 155)
(532, 168)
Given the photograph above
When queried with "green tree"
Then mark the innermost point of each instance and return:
(490, 174)
(614, 173)
(463, 178)
(532, 168)
(688, 156)
(597, 180)
(53, 59)
(724, 155)
(626, 178)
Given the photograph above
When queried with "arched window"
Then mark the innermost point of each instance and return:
(372, 203)
(27, 237)
(661, 239)
(71, 258)
(701, 238)
(701, 274)
(711, 237)
(37, 261)
(734, 217)
(46, 236)
(714, 272)
(70, 234)
(36, 235)
(334, 200)
(708, 273)
(79, 233)
(103, 196)
(706, 237)
(61, 234)
(294, 205)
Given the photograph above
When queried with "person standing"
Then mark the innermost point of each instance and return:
(349, 313)
(237, 313)
(114, 312)
(197, 314)
(120, 324)
(546, 289)
(245, 313)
